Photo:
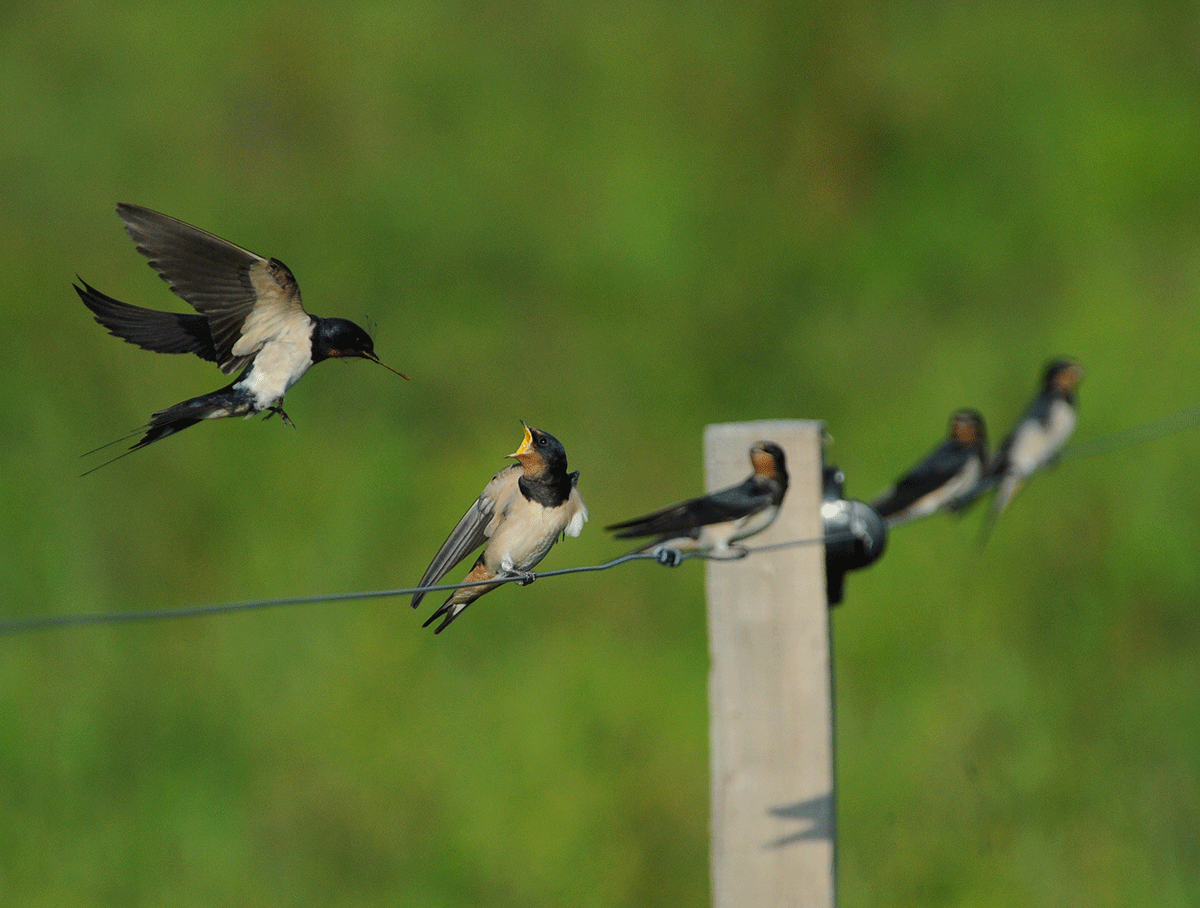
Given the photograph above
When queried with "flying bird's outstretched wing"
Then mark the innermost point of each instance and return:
(244, 296)
(158, 332)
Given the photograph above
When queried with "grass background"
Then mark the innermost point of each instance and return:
(619, 222)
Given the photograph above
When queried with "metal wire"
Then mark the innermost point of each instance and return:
(1134, 435)
(10, 626)
(1103, 444)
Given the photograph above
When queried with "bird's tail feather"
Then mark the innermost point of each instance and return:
(166, 423)
(1008, 488)
(154, 432)
(450, 609)
(115, 441)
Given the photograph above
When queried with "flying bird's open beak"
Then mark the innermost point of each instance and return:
(375, 359)
(528, 440)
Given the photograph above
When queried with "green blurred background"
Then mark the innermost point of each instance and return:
(619, 221)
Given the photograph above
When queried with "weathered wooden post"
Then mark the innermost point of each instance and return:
(770, 690)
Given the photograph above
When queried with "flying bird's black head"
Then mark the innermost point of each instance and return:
(339, 337)
(768, 462)
(967, 430)
(1062, 377)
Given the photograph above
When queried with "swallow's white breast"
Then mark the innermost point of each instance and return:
(523, 531)
(1038, 443)
(280, 362)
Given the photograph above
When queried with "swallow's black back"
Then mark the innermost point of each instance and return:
(749, 496)
(942, 464)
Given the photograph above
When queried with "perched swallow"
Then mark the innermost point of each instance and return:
(520, 514)
(713, 523)
(1037, 439)
(950, 470)
(251, 319)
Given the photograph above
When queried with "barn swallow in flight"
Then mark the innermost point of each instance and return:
(950, 470)
(713, 523)
(1038, 437)
(250, 318)
(520, 514)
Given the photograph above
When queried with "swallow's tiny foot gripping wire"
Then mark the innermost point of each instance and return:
(524, 578)
(667, 556)
(271, 411)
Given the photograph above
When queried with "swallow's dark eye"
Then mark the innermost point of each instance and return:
(542, 440)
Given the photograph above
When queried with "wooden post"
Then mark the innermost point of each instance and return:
(770, 689)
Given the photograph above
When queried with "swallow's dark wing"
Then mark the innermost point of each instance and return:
(941, 466)
(679, 519)
(244, 296)
(159, 332)
(473, 529)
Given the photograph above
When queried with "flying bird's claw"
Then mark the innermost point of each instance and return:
(668, 556)
(271, 411)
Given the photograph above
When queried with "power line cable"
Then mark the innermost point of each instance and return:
(1134, 435)
(1102, 444)
(9, 626)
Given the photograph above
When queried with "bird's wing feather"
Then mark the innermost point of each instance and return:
(473, 529)
(931, 473)
(727, 504)
(276, 308)
(159, 332)
(579, 514)
(230, 285)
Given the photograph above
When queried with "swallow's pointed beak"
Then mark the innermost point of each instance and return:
(525, 444)
(375, 359)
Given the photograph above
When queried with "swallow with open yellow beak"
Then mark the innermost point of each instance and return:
(520, 514)
(713, 523)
